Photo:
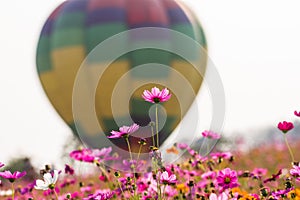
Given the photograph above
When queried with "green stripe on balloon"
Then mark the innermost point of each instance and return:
(98, 33)
(67, 37)
(43, 60)
(70, 20)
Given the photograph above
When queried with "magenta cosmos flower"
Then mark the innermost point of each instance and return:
(297, 113)
(124, 131)
(227, 178)
(156, 96)
(211, 135)
(12, 177)
(84, 155)
(285, 126)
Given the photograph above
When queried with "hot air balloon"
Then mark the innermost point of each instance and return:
(76, 27)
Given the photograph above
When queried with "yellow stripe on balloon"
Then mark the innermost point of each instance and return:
(107, 85)
(66, 62)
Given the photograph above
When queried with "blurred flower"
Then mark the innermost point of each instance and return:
(1, 164)
(223, 196)
(274, 177)
(49, 181)
(124, 131)
(100, 196)
(281, 193)
(210, 135)
(129, 164)
(102, 153)
(209, 175)
(294, 194)
(227, 178)
(173, 150)
(182, 145)
(69, 169)
(285, 126)
(156, 96)
(259, 172)
(296, 171)
(6, 192)
(297, 113)
(12, 177)
(224, 155)
(165, 178)
(83, 155)
(182, 188)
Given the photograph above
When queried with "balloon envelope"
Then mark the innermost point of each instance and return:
(76, 27)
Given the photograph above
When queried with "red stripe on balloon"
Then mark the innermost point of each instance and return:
(56, 12)
(96, 4)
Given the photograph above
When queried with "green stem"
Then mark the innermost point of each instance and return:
(164, 190)
(13, 191)
(289, 148)
(104, 172)
(152, 131)
(129, 149)
(131, 161)
(158, 185)
(156, 121)
(138, 157)
(120, 187)
(55, 194)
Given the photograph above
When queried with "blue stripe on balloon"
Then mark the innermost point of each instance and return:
(75, 5)
(106, 15)
(48, 27)
(177, 16)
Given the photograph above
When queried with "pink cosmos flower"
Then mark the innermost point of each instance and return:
(165, 178)
(208, 175)
(222, 196)
(285, 126)
(227, 178)
(83, 155)
(182, 145)
(259, 172)
(224, 155)
(156, 96)
(296, 171)
(297, 113)
(12, 177)
(124, 131)
(211, 135)
(100, 195)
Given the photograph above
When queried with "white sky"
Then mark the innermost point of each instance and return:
(255, 45)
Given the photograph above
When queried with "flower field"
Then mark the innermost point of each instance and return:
(269, 171)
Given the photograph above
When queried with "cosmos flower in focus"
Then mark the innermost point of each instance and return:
(156, 96)
(285, 126)
(124, 131)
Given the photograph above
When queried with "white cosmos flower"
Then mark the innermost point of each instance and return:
(48, 183)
